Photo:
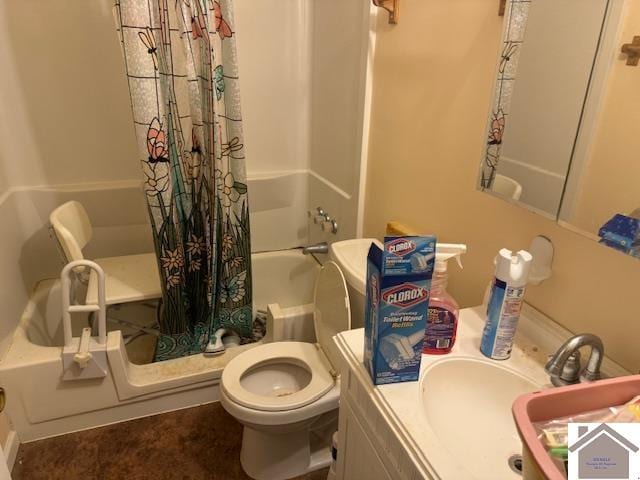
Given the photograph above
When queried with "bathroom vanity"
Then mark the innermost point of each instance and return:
(455, 422)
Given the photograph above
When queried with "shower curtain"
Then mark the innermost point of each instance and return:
(180, 61)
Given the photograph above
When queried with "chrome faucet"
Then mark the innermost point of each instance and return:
(322, 247)
(564, 366)
(316, 249)
(322, 218)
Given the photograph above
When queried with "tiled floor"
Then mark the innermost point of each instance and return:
(201, 443)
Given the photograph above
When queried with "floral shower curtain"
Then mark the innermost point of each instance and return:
(517, 13)
(181, 65)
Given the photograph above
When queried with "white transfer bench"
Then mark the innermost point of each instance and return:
(128, 278)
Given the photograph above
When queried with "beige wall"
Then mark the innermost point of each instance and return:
(3, 181)
(432, 86)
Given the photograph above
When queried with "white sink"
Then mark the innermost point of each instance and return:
(467, 402)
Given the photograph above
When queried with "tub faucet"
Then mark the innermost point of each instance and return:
(313, 250)
(564, 366)
(322, 247)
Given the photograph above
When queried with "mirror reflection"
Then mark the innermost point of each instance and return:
(559, 132)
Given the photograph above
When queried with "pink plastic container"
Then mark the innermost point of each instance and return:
(562, 402)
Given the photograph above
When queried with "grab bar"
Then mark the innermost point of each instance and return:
(67, 308)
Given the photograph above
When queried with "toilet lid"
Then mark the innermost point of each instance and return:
(305, 355)
(332, 313)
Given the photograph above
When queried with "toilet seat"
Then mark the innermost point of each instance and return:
(306, 355)
(321, 360)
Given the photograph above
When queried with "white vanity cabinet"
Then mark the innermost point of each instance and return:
(369, 447)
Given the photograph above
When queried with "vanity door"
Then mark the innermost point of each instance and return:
(360, 457)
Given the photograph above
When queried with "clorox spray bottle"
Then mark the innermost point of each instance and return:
(505, 303)
(442, 321)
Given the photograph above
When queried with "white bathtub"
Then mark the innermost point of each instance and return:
(40, 404)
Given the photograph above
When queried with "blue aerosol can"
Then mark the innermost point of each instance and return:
(505, 303)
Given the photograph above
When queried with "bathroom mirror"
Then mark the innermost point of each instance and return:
(559, 136)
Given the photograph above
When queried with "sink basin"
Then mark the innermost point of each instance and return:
(467, 403)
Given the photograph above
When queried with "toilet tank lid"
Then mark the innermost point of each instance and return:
(351, 256)
(332, 313)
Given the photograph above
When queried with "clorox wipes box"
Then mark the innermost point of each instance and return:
(397, 304)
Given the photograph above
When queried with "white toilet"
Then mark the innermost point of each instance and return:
(351, 256)
(286, 393)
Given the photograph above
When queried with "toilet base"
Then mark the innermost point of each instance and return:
(271, 456)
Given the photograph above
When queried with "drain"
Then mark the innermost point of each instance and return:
(515, 463)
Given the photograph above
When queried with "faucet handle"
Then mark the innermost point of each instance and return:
(590, 375)
(571, 369)
(318, 216)
(569, 372)
(322, 218)
(330, 225)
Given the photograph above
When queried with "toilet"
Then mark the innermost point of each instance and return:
(286, 394)
(351, 256)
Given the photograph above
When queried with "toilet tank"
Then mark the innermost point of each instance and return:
(351, 257)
